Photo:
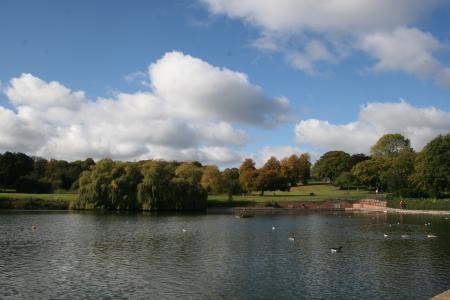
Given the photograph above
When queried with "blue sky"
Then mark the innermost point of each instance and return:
(327, 70)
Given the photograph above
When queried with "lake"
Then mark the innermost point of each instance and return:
(75, 255)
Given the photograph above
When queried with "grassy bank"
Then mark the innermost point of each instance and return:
(421, 204)
(35, 201)
(312, 192)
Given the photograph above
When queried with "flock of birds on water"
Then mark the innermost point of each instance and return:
(291, 236)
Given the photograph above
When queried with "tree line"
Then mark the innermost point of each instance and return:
(30, 174)
(393, 166)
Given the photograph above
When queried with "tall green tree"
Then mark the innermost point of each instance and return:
(12, 167)
(304, 162)
(390, 145)
(231, 184)
(432, 167)
(369, 172)
(331, 165)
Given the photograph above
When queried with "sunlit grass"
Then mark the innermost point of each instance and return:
(312, 192)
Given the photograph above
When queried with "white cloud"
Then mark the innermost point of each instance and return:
(194, 89)
(322, 15)
(192, 113)
(420, 125)
(408, 50)
(381, 28)
(138, 77)
(314, 52)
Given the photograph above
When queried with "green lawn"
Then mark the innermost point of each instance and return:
(53, 197)
(300, 193)
(35, 201)
(421, 204)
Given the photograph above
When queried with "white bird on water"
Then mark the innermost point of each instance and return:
(386, 235)
(430, 236)
(184, 230)
(291, 237)
(336, 250)
(273, 227)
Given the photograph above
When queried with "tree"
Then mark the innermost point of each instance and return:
(357, 158)
(13, 166)
(389, 145)
(191, 172)
(368, 172)
(269, 177)
(290, 169)
(211, 179)
(331, 165)
(346, 180)
(398, 170)
(432, 167)
(248, 175)
(304, 162)
(231, 184)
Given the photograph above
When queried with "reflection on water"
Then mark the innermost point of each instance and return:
(86, 255)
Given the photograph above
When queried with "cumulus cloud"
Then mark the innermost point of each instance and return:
(192, 112)
(321, 15)
(420, 125)
(194, 89)
(408, 50)
(377, 27)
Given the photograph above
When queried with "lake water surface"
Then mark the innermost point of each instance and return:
(74, 255)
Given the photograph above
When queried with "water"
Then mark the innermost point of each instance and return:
(137, 256)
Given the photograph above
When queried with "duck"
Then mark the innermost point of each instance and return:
(405, 236)
(336, 250)
(291, 237)
(273, 227)
(386, 235)
(184, 230)
(33, 227)
(428, 224)
(430, 236)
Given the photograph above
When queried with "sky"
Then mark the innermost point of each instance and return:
(220, 80)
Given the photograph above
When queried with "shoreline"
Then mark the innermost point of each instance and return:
(288, 207)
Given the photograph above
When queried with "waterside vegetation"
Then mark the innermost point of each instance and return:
(393, 168)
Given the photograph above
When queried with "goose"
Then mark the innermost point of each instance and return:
(430, 236)
(33, 227)
(291, 237)
(336, 250)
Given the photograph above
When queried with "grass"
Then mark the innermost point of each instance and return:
(52, 197)
(421, 204)
(311, 192)
(36, 201)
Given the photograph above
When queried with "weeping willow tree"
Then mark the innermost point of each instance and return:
(168, 187)
(150, 185)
